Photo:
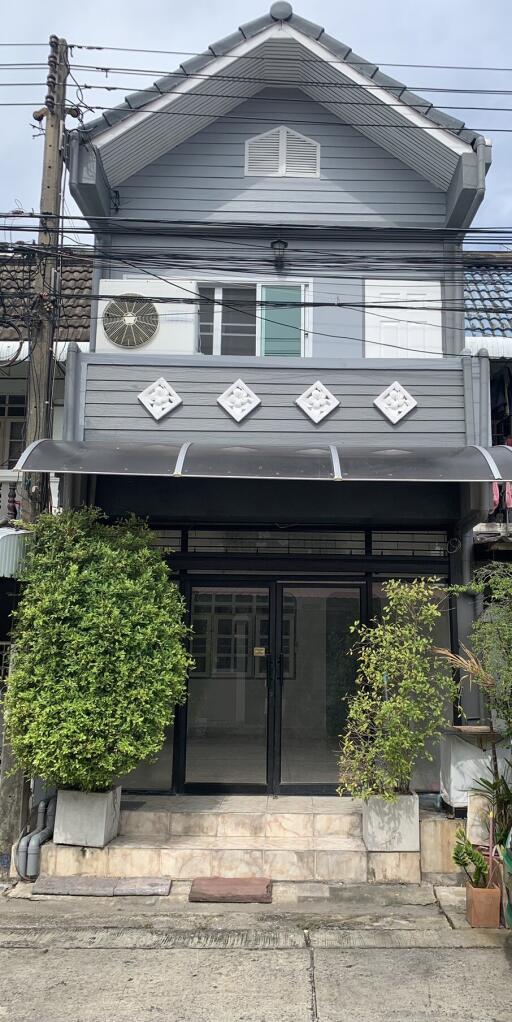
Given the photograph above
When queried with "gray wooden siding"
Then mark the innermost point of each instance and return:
(360, 183)
(113, 413)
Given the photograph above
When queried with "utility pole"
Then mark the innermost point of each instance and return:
(46, 282)
(46, 288)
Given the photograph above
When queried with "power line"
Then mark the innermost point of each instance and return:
(295, 60)
(420, 106)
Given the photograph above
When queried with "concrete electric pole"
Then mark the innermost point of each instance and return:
(46, 288)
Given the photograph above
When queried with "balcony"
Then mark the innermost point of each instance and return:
(446, 405)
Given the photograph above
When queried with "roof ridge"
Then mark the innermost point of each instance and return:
(280, 11)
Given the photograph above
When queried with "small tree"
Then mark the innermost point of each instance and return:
(402, 689)
(100, 661)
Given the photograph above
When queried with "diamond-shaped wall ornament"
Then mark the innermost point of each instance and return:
(159, 398)
(395, 402)
(317, 402)
(238, 400)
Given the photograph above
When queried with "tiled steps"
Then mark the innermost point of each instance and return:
(299, 839)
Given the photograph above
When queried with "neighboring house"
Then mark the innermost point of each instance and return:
(16, 279)
(275, 379)
(17, 265)
(488, 299)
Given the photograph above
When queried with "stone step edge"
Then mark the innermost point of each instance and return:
(102, 887)
(286, 844)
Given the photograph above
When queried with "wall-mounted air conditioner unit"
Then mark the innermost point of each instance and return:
(142, 315)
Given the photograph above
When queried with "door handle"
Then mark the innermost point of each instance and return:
(270, 668)
(280, 661)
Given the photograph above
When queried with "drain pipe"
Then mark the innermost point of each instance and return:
(20, 854)
(38, 839)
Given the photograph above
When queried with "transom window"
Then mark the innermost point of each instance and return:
(282, 152)
(252, 319)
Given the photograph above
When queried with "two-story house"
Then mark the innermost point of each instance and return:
(275, 378)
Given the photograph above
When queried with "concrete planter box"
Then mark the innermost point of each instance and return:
(87, 818)
(392, 826)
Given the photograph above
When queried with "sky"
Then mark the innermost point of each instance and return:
(436, 32)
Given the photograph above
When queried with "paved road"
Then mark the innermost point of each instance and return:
(190, 985)
(88, 960)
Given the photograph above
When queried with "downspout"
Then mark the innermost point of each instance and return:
(38, 839)
(20, 853)
(481, 148)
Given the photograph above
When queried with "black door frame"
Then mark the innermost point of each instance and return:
(274, 684)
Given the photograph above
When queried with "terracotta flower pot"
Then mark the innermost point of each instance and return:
(483, 906)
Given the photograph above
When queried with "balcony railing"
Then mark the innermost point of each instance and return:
(10, 493)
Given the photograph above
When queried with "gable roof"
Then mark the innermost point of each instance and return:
(488, 295)
(280, 48)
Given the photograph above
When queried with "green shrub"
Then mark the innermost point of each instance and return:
(100, 661)
(402, 689)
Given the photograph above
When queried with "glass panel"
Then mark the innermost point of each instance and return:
(317, 674)
(427, 773)
(16, 442)
(206, 311)
(156, 776)
(410, 544)
(227, 696)
(256, 462)
(238, 321)
(306, 543)
(416, 464)
(281, 328)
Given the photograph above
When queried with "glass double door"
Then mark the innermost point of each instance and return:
(266, 700)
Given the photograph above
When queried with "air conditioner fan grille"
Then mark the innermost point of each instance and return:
(130, 321)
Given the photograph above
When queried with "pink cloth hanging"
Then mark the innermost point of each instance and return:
(496, 495)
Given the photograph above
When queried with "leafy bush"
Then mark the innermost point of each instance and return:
(99, 661)
(402, 689)
(468, 858)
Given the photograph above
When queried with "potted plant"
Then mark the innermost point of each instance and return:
(399, 706)
(99, 664)
(483, 897)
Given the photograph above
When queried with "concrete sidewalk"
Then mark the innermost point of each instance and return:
(378, 954)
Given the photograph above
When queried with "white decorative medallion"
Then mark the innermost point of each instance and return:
(317, 402)
(238, 400)
(159, 398)
(395, 402)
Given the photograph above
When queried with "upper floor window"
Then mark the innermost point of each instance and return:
(12, 428)
(243, 319)
(282, 152)
(403, 319)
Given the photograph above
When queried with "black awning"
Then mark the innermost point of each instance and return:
(235, 460)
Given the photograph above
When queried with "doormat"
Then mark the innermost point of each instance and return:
(232, 890)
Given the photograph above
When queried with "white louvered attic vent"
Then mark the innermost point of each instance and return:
(282, 152)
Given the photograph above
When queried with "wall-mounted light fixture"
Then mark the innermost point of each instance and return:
(279, 248)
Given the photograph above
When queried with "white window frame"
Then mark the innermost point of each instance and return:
(306, 286)
(282, 172)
